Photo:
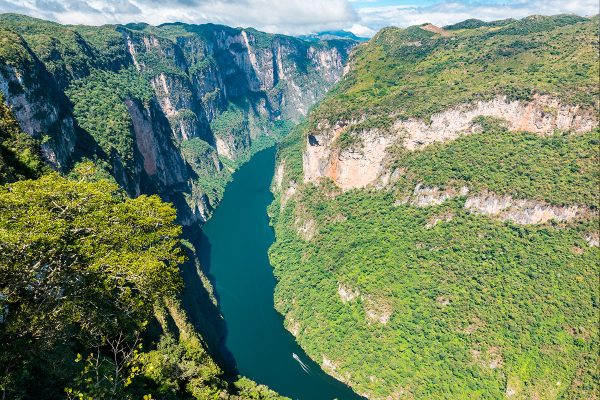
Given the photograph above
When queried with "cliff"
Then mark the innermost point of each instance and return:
(440, 207)
(169, 109)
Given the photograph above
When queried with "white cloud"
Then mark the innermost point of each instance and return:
(446, 13)
(283, 16)
(290, 16)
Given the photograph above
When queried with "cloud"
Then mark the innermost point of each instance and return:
(50, 5)
(363, 17)
(283, 16)
(451, 12)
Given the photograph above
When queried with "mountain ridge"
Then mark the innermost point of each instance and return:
(228, 90)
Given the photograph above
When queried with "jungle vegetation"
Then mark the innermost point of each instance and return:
(438, 302)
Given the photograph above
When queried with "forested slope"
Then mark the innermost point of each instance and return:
(171, 109)
(122, 113)
(89, 291)
(436, 215)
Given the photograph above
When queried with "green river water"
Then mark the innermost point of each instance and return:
(233, 251)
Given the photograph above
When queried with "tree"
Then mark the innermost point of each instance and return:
(81, 266)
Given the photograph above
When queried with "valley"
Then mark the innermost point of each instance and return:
(202, 212)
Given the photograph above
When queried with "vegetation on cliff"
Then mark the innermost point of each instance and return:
(20, 155)
(89, 303)
(187, 82)
(413, 72)
(433, 301)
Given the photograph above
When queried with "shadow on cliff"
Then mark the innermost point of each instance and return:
(197, 303)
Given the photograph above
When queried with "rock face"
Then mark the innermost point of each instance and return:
(224, 87)
(39, 106)
(364, 163)
(524, 212)
(503, 208)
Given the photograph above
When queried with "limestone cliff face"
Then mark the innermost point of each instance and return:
(39, 107)
(364, 163)
(501, 207)
(214, 92)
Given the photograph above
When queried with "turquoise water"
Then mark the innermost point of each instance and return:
(233, 250)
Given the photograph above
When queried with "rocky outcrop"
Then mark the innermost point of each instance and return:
(592, 238)
(542, 115)
(347, 293)
(162, 162)
(524, 212)
(365, 162)
(429, 196)
(377, 310)
(39, 107)
(226, 87)
(354, 167)
(501, 207)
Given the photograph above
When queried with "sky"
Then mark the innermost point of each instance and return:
(294, 17)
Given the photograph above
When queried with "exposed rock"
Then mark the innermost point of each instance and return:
(443, 301)
(349, 168)
(495, 358)
(288, 194)
(278, 176)
(292, 325)
(435, 29)
(39, 107)
(475, 324)
(306, 228)
(491, 358)
(525, 212)
(331, 368)
(593, 239)
(502, 207)
(365, 162)
(377, 310)
(328, 365)
(542, 115)
(436, 219)
(427, 196)
(194, 78)
(161, 160)
(347, 293)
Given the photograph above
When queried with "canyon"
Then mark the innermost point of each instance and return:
(212, 95)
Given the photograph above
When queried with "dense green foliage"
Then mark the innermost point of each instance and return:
(84, 270)
(81, 266)
(232, 120)
(400, 71)
(463, 295)
(186, 81)
(463, 292)
(99, 107)
(436, 302)
(211, 176)
(82, 276)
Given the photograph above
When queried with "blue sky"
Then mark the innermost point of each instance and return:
(363, 17)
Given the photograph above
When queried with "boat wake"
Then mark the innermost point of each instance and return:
(304, 366)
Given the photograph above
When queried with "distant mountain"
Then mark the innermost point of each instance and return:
(330, 35)
(477, 23)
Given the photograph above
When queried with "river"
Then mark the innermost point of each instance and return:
(233, 251)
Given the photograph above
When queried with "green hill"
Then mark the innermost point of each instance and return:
(437, 221)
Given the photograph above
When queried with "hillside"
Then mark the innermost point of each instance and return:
(89, 296)
(436, 215)
(171, 109)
